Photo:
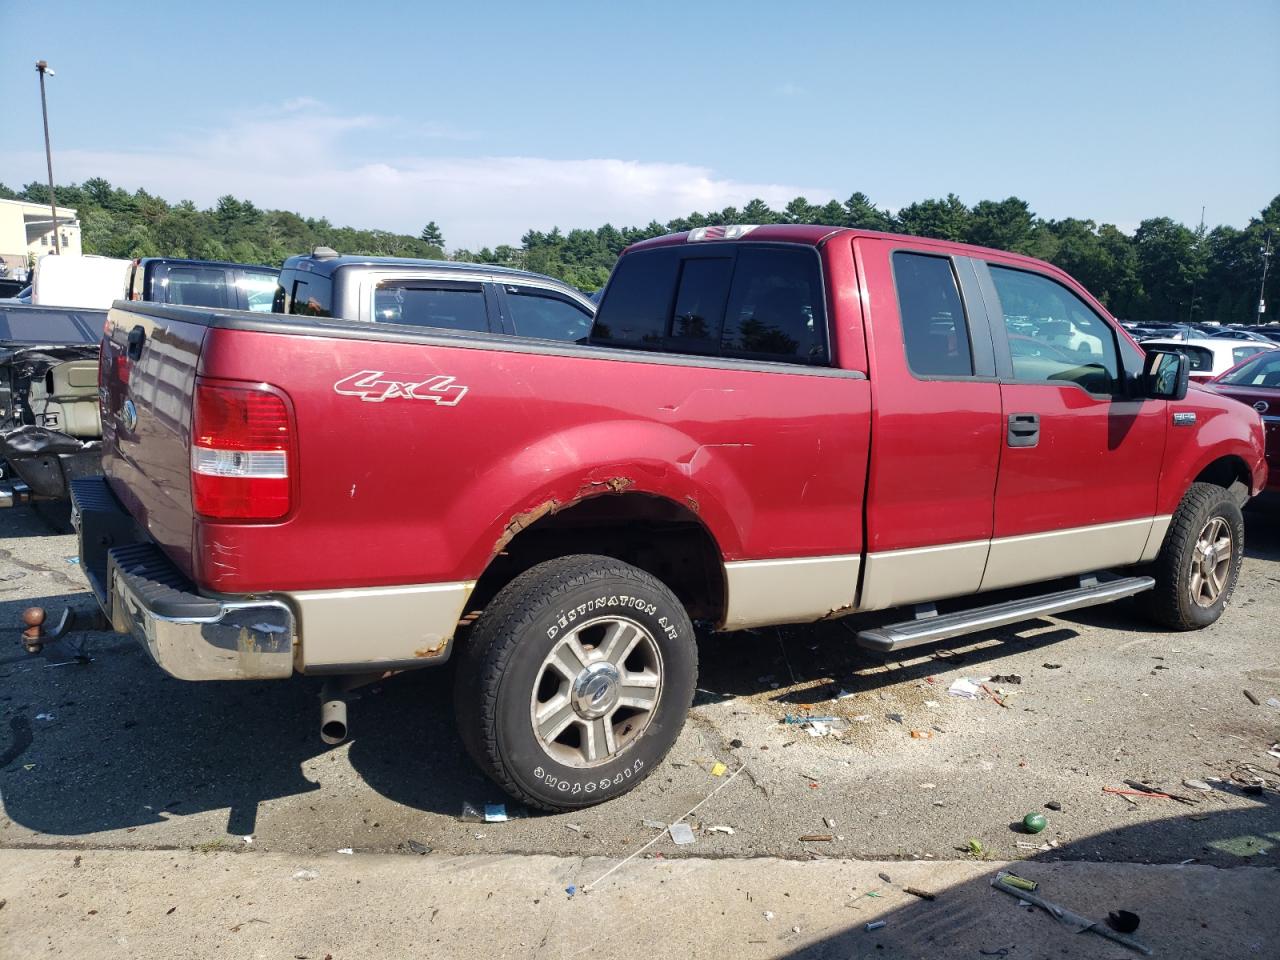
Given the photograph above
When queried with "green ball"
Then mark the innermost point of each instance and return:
(1034, 822)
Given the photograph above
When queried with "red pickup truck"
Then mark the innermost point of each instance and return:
(767, 425)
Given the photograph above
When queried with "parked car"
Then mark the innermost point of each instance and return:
(88, 281)
(1238, 333)
(1209, 356)
(10, 287)
(50, 428)
(1256, 382)
(768, 425)
(203, 283)
(466, 297)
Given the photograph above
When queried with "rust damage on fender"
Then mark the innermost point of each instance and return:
(692, 504)
(433, 651)
(835, 613)
(521, 520)
(612, 485)
(528, 518)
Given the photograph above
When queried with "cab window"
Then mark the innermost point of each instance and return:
(447, 304)
(1054, 336)
(935, 332)
(545, 314)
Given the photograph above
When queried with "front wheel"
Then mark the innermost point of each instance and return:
(576, 681)
(1199, 560)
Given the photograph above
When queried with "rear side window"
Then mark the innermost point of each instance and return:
(449, 305)
(258, 289)
(934, 329)
(545, 314)
(1239, 354)
(747, 302)
(193, 287)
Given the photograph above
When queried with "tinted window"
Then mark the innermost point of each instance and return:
(1261, 371)
(934, 329)
(775, 308)
(698, 317)
(751, 302)
(52, 326)
(1051, 316)
(311, 296)
(452, 306)
(637, 302)
(193, 286)
(543, 314)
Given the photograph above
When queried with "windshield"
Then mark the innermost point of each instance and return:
(1261, 371)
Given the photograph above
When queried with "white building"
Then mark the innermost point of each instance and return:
(26, 231)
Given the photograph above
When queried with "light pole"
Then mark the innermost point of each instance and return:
(42, 68)
(1262, 290)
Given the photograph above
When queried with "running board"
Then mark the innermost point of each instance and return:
(927, 629)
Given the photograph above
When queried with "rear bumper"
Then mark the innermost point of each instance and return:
(190, 636)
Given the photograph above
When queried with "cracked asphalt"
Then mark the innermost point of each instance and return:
(113, 755)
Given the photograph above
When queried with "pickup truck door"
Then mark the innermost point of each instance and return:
(1081, 452)
(936, 425)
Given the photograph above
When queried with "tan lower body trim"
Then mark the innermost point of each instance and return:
(1155, 539)
(1061, 553)
(800, 590)
(371, 626)
(896, 577)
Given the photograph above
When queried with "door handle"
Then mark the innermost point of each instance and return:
(1024, 429)
(136, 337)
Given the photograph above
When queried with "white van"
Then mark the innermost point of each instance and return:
(83, 281)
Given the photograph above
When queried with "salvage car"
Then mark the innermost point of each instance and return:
(1210, 356)
(766, 425)
(50, 428)
(472, 297)
(1256, 382)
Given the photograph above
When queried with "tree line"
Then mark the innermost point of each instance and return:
(1164, 271)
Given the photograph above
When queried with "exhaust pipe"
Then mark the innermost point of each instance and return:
(333, 714)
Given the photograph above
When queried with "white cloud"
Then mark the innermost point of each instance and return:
(301, 156)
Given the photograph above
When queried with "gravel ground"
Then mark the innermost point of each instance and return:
(113, 754)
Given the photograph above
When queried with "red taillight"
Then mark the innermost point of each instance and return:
(241, 440)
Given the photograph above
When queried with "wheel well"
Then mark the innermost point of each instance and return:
(1231, 473)
(663, 538)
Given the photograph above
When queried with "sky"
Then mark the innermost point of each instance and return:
(494, 118)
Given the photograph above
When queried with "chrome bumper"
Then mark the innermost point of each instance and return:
(249, 640)
(189, 635)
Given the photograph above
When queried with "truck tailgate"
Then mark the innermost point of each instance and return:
(148, 379)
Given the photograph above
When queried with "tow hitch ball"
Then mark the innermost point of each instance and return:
(35, 637)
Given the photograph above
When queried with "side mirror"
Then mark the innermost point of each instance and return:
(1166, 375)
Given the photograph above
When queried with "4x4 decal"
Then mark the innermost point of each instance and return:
(375, 386)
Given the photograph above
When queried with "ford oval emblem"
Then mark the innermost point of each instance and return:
(130, 414)
(1261, 406)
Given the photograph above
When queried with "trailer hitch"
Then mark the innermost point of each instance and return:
(35, 637)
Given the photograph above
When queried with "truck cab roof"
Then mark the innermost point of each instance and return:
(325, 265)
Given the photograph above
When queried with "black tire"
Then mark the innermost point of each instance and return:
(500, 667)
(1171, 603)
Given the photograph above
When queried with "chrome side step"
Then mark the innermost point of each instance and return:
(927, 629)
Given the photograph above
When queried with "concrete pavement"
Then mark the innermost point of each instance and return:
(108, 904)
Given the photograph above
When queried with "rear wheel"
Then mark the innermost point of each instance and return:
(1199, 561)
(576, 681)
